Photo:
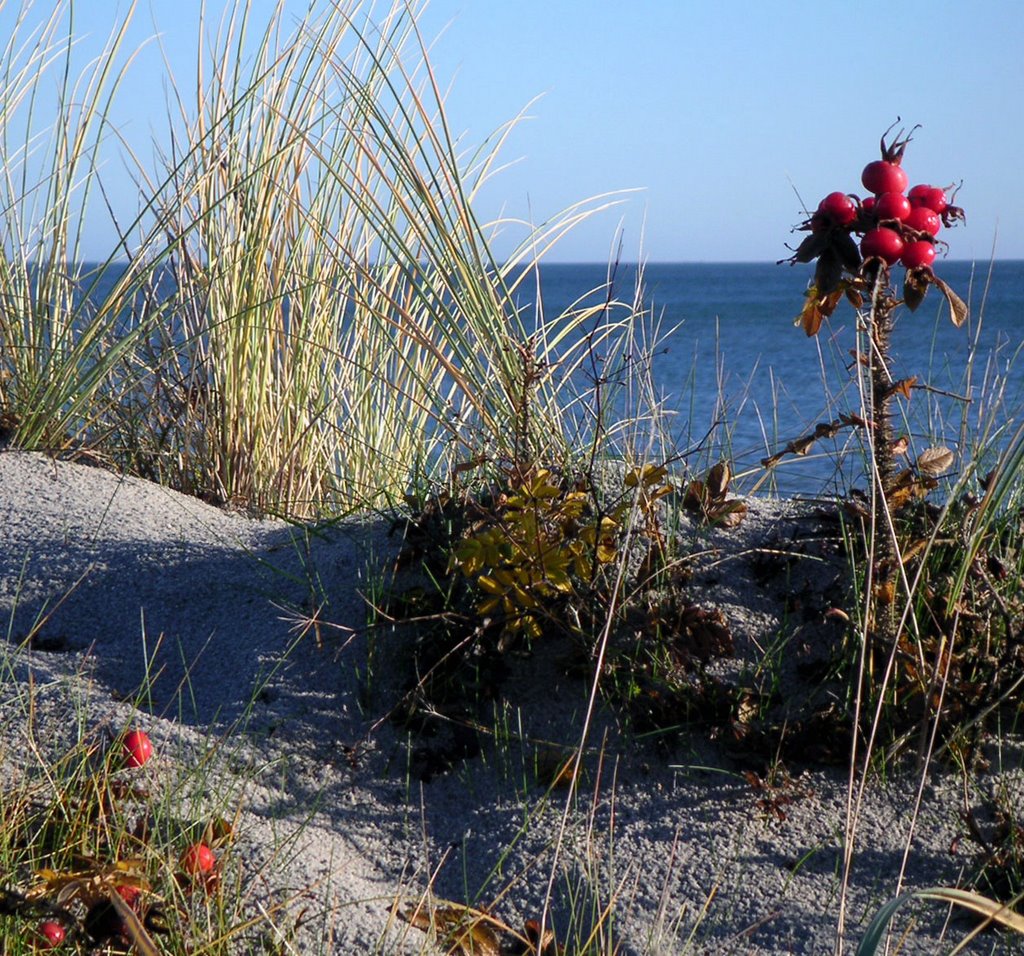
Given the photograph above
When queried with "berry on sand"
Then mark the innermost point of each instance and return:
(50, 934)
(138, 748)
(198, 860)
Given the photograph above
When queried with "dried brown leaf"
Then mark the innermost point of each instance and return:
(957, 307)
(729, 515)
(718, 480)
(816, 309)
(903, 386)
(466, 931)
(915, 286)
(935, 461)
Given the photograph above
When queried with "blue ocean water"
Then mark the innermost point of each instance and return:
(737, 378)
(736, 364)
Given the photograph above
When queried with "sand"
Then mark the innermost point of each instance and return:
(118, 580)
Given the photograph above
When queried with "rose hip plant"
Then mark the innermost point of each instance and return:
(857, 243)
(935, 614)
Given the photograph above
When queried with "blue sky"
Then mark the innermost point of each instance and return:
(719, 113)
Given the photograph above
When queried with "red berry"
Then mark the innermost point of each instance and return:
(839, 208)
(881, 176)
(51, 934)
(884, 243)
(130, 894)
(892, 206)
(932, 197)
(198, 860)
(869, 204)
(924, 219)
(138, 748)
(916, 254)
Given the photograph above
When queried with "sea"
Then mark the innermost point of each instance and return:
(735, 378)
(738, 379)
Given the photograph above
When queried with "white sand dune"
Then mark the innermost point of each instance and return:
(118, 580)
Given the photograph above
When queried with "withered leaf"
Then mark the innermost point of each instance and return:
(957, 307)
(906, 488)
(915, 286)
(646, 475)
(718, 480)
(802, 445)
(900, 446)
(817, 308)
(914, 549)
(934, 461)
(696, 496)
(546, 941)
(829, 272)
(853, 419)
(884, 592)
(704, 634)
(466, 931)
(903, 387)
(555, 769)
(728, 515)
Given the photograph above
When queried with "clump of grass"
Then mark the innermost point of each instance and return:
(310, 319)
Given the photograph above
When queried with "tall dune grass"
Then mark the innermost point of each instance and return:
(312, 317)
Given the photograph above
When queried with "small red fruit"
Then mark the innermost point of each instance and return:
(924, 220)
(138, 748)
(130, 894)
(892, 206)
(869, 204)
(882, 176)
(50, 934)
(838, 208)
(917, 254)
(884, 243)
(932, 197)
(198, 860)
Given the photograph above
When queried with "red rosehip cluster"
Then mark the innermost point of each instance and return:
(894, 226)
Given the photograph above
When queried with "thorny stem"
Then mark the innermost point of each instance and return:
(884, 461)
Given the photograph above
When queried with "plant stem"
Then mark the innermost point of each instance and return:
(884, 470)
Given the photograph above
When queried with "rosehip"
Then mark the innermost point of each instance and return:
(138, 748)
(917, 254)
(198, 860)
(130, 894)
(50, 934)
(932, 197)
(884, 243)
(838, 208)
(892, 206)
(924, 219)
(882, 176)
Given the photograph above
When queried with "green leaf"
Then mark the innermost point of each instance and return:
(997, 912)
